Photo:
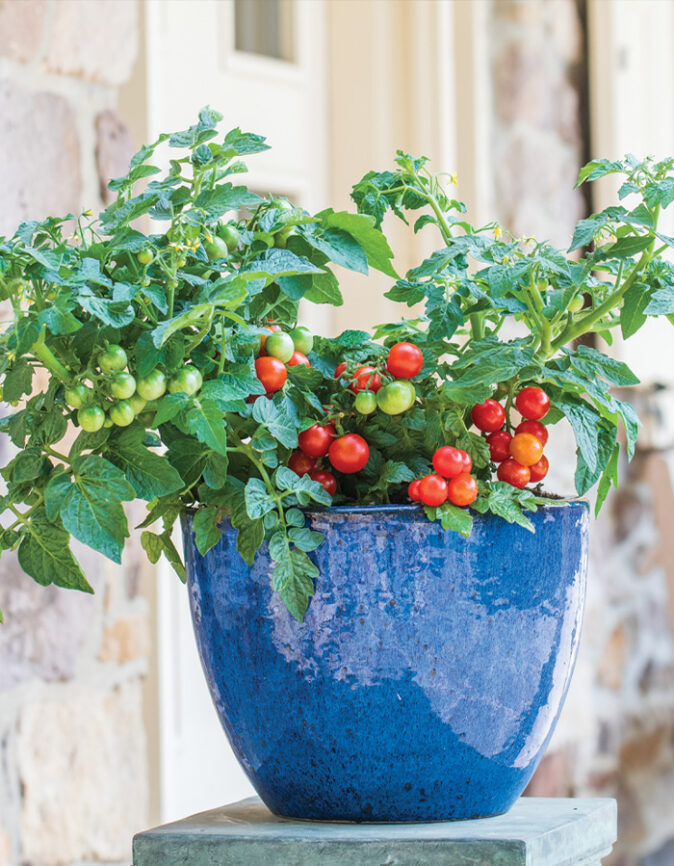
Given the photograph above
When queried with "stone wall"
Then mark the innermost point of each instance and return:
(616, 733)
(73, 752)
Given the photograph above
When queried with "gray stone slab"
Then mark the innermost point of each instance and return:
(536, 832)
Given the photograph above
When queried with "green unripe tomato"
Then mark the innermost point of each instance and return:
(108, 421)
(91, 419)
(137, 403)
(172, 284)
(145, 257)
(365, 402)
(396, 397)
(145, 281)
(123, 386)
(280, 345)
(281, 238)
(152, 386)
(77, 396)
(181, 261)
(230, 235)
(303, 339)
(113, 359)
(122, 414)
(186, 381)
(576, 304)
(216, 249)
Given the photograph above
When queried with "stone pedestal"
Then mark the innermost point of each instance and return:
(536, 832)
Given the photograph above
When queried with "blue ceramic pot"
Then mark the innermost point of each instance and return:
(427, 677)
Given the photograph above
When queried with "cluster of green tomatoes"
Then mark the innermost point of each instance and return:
(111, 395)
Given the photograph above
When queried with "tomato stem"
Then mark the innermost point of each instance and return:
(50, 361)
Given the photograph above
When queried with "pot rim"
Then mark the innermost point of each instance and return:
(412, 508)
(409, 507)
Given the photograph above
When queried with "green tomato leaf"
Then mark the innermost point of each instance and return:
(304, 538)
(276, 419)
(609, 476)
(206, 530)
(205, 421)
(150, 474)
(44, 554)
(362, 229)
(258, 499)
(18, 381)
(92, 510)
(293, 578)
(451, 518)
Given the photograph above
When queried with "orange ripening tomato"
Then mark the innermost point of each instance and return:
(526, 448)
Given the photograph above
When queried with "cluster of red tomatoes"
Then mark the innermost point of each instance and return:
(278, 351)
(451, 480)
(520, 456)
(349, 453)
(395, 393)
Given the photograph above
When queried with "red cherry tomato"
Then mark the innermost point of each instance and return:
(526, 448)
(298, 358)
(271, 372)
(327, 479)
(433, 490)
(339, 369)
(365, 379)
(540, 431)
(532, 403)
(413, 490)
(488, 416)
(462, 489)
(539, 470)
(513, 473)
(448, 461)
(317, 439)
(467, 461)
(404, 360)
(349, 453)
(499, 445)
(301, 463)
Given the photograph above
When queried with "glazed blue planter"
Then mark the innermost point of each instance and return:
(427, 677)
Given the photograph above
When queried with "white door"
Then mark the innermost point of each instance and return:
(262, 64)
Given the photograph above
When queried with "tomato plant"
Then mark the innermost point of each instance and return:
(174, 367)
